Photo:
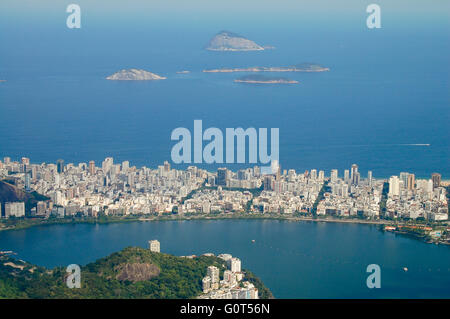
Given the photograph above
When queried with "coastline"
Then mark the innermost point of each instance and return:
(267, 81)
(266, 69)
(111, 220)
(135, 218)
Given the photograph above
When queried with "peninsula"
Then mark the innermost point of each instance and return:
(229, 41)
(134, 75)
(133, 272)
(303, 67)
(260, 79)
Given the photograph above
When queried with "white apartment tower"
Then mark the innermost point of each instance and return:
(154, 245)
(394, 186)
(334, 175)
(235, 264)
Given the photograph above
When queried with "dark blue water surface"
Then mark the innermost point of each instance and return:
(294, 259)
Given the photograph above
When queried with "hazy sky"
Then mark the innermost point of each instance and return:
(210, 10)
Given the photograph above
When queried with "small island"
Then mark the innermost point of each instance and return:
(134, 75)
(229, 41)
(303, 67)
(261, 79)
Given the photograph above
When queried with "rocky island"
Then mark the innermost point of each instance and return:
(134, 75)
(260, 79)
(303, 67)
(229, 41)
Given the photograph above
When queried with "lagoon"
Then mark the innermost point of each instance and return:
(294, 259)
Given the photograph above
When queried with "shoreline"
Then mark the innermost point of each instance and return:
(265, 69)
(109, 220)
(267, 82)
(112, 220)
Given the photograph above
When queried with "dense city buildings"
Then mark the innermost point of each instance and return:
(408, 198)
(120, 190)
(232, 286)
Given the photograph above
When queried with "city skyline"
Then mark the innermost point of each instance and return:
(121, 189)
(213, 167)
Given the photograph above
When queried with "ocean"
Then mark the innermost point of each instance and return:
(386, 92)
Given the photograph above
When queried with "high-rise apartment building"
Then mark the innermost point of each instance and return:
(354, 174)
(206, 284)
(222, 177)
(394, 186)
(213, 273)
(334, 175)
(107, 164)
(91, 167)
(166, 166)
(313, 174)
(154, 246)
(234, 264)
(60, 166)
(410, 185)
(436, 178)
(347, 176)
(268, 182)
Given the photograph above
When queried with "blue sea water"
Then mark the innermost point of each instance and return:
(387, 88)
(294, 259)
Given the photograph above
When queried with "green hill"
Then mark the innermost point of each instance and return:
(131, 273)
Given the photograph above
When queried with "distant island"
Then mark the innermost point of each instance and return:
(183, 72)
(261, 79)
(229, 41)
(134, 75)
(131, 273)
(303, 67)
(2, 80)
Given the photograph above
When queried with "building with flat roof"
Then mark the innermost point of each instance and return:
(16, 209)
(154, 245)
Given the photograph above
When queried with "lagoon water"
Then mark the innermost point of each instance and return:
(294, 259)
